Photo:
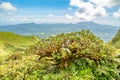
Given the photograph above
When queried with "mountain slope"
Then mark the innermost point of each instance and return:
(10, 42)
(116, 40)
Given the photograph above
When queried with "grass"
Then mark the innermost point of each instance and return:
(10, 42)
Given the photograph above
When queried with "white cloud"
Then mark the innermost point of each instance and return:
(69, 8)
(12, 19)
(83, 17)
(105, 3)
(21, 19)
(75, 2)
(50, 15)
(6, 6)
(97, 11)
(24, 19)
(88, 11)
(68, 16)
(100, 11)
(29, 18)
(117, 13)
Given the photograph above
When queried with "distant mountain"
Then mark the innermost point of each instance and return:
(105, 32)
(10, 42)
(116, 40)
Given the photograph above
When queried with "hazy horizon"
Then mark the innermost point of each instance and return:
(59, 23)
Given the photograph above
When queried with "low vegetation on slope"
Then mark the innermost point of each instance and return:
(10, 42)
(116, 40)
(72, 56)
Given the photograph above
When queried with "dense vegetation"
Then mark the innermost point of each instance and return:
(71, 56)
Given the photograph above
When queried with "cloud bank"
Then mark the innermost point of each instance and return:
(92, 9)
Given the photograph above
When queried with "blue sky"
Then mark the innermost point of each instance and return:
(59, 11)
(45, 4)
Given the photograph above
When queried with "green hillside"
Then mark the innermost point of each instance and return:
(116, 40)
(10, 42)
(71, 56)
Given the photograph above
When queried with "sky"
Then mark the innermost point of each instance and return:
(60, 11)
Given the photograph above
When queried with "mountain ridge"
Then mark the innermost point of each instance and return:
(105, 32)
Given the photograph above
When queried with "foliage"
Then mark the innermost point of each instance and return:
(65, 48)
(71, 56)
